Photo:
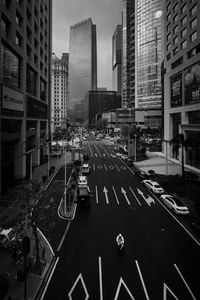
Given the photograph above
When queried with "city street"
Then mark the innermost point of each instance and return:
(160, 259)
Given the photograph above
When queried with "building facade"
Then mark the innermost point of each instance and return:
(82, 66)
(128, 53)
(117, 60)
(59, 94)
(182, 77)
(99, 102)
(25, 74)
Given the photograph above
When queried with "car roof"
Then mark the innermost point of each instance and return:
(82, 177)
(85, 165)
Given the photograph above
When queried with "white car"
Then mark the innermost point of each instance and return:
(7, 236)
(124, 156)
(119, 154)
(85, 169)
(153, 186)
(82, 181)
(175, 204)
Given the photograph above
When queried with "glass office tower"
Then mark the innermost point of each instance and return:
(148, 63)
(82, 66)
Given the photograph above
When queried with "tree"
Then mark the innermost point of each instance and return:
(125, 131)
(180, 141)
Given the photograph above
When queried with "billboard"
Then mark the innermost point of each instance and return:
(176, 90)
(192, 84)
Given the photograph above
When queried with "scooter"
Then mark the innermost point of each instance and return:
(120, 242)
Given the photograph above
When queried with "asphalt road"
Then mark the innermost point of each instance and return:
(161, 259)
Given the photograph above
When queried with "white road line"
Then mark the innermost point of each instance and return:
(105, 167)
(96, 191)
(142, 280)
(100, 280)
(134, 195)
(105, 151)
(93, 167)
(115, 194)
(90, 149)
(52, 252)
(63, 237)
(117, 167)
(191, 293)
(49, 279)
(98, 150)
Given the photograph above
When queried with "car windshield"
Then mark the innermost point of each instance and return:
(11, 234)
(178, 202)
(157, 186)
(2, 237)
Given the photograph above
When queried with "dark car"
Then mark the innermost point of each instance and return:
(83, 196)
(129, 162)
(141, 175)
(85, 157)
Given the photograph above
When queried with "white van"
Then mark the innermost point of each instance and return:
(85, 169)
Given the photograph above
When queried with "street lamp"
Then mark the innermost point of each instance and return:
(166, 154)
(135, 137)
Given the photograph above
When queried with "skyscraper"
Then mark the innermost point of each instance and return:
(128, 53)
(59, 103)
(117, 59)
(82, 66)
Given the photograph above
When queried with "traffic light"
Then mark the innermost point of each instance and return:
(26, 245)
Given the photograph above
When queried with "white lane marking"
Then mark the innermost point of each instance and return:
(100, 280)
(63, 237)
(121, 281)
(80, 277)
(90, 149)
(148, 200)
(97, 150)
(88, 189)
(50, 181)
(49, 279)
(105, 151)
(124, 193)
(105, 167)
(106, 194)
(142, 280)
(117, 167)
(134, 195)
(165, 288)
(52, 252)
(115, 194)
(93, 167)
(96, 191)
(111, 167)
(191, 293)
(198, 243)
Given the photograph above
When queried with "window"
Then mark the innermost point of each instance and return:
(183, 21)
(193, 36)
(175, 51)
(168, 17)
(193, 23)
(175, 18)
(183, 9)
(168, 27)
(168, 47)
(183, 44)
(19, 19)
(18, 40)
(183, 32)
(193, 10)
(175, 30)
(175, 40)
(11, 68)
(168, 56)
(31, 81)
(175, 7)
(42, 89)
(5, 25)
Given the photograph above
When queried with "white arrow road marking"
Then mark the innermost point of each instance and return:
(165, 288)
(111, 167)
(97, 150)
(134, 195)
(105, 167)
(124, 192)
(142, 280)
(148, 200)
(117, 167)
(106, 194)
(99, 167)
(80, 277)
(96, 191)
(121, 281)
(100, 280)
(95, 154)
(93, 167)
(179, 272)
(115, 194)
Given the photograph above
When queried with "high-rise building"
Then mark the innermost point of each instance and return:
(128, 53)
(82, 66)
(182, 77)
(59, 94)
(25, 74)
(117, 59)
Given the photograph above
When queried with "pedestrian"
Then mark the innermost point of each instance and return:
(43, 254)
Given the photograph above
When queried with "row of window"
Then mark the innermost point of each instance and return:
(193, 24)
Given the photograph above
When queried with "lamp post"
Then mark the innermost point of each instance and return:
(166, 155)
(135, 151)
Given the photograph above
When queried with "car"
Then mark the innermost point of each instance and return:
(153, 186)
(141, 175)
(7, 237)
(82, 181)
(83, 196)
(85, 156)
(175, 204)
(85, 169)
(119, 154)
(124, 156)
(129, 162)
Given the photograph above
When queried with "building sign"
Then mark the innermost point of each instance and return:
(192, 84)
(12, 99)
(36, 109)
(176, 90)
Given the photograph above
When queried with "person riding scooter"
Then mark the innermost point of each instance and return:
(120, 241)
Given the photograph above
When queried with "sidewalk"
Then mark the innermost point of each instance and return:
(9, 266)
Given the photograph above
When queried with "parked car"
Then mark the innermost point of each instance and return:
(7, 237)
(153, 186)
(124, 156)
(82, 181)
(141, 175)
(175, 204)
(129, 162)
(85, 169)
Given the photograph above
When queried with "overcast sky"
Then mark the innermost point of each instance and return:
(106, 14)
